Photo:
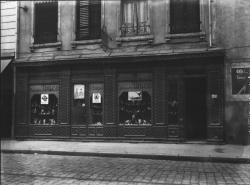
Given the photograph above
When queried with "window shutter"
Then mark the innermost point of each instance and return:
(83, 19)
(46, 17)
(184, 16)
(95, 19)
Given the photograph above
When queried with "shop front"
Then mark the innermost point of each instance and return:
(171, 101)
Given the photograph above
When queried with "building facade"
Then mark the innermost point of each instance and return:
(8, 51)
(150, 70)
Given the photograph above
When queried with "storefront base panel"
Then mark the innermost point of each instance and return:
(172, 133)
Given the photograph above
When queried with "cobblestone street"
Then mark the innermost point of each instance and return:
(53, 169)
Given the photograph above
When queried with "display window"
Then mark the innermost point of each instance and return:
(87, 107)
(96, 103)
(135, 108)
(78, 110)
(172, 113)
(44, 104)
(134, 100)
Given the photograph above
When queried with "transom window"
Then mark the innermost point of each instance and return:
(46, 18)
(135, 18)
(88, 19)
(184, 16)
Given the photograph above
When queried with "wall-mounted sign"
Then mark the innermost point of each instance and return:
(96, 98)
(44, 88)
(79, 91)
(240, 80)
(135, 96)
(44, 99)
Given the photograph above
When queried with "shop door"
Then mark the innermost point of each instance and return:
(195, 105)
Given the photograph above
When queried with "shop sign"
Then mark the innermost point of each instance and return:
(134, 86)
(241, 80)
(135, 96)
(96, 98)
(44, 88)
(79, 90)
(44, 99)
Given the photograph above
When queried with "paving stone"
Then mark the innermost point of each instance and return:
(81, 170)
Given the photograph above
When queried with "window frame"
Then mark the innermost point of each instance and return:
(148, 21)
(50, 44)
(203, 24)
(75, 29)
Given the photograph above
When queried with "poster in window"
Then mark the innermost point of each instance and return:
(241, 81)
(135, 96)
(44, 99)
(96, 98)
(79, 91)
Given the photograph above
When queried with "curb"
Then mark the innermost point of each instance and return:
(136, 156)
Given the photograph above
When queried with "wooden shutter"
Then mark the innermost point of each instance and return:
(95, 19)
(184, 16)
(83, 19)
(89, 19)
(46, 17)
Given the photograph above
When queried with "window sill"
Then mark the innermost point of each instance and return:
(46, 45)
(148, 38)
(200, 35)
(85, 42)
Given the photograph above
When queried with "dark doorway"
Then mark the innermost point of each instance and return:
(195, 108)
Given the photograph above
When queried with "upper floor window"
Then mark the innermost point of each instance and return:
(135, 17)
(46, 18)
(88, 19)
(184, 16)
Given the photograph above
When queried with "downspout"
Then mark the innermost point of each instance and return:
(14, 70)
(210, 23)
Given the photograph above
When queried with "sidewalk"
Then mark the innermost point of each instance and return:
(194, 152)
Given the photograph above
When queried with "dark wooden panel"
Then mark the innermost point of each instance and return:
(79, 131)
(110, 130)
(64, 97)
(159, 95)
(61, 130)
(159, 131)
(109, 97)
(21, 130)
(21, 99)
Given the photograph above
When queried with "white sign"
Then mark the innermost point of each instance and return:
(96, 98)
(79, 91)
(135, 96)
(44, 99)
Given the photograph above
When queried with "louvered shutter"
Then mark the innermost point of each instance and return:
(83, 19)
(184, 16)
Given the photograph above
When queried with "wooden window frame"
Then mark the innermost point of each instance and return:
(76, 20)
(45, 45)
(192, 35)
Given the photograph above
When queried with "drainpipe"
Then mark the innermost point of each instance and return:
(210, 23)
(14, 70)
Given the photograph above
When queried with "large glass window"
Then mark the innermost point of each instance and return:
(46, 17)
(87, 105)
(172, 113)
(44, 109)
(88, 19)
(135, 18)
(135, 107)
(78, 110)
(96, 103)
(184, 16)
